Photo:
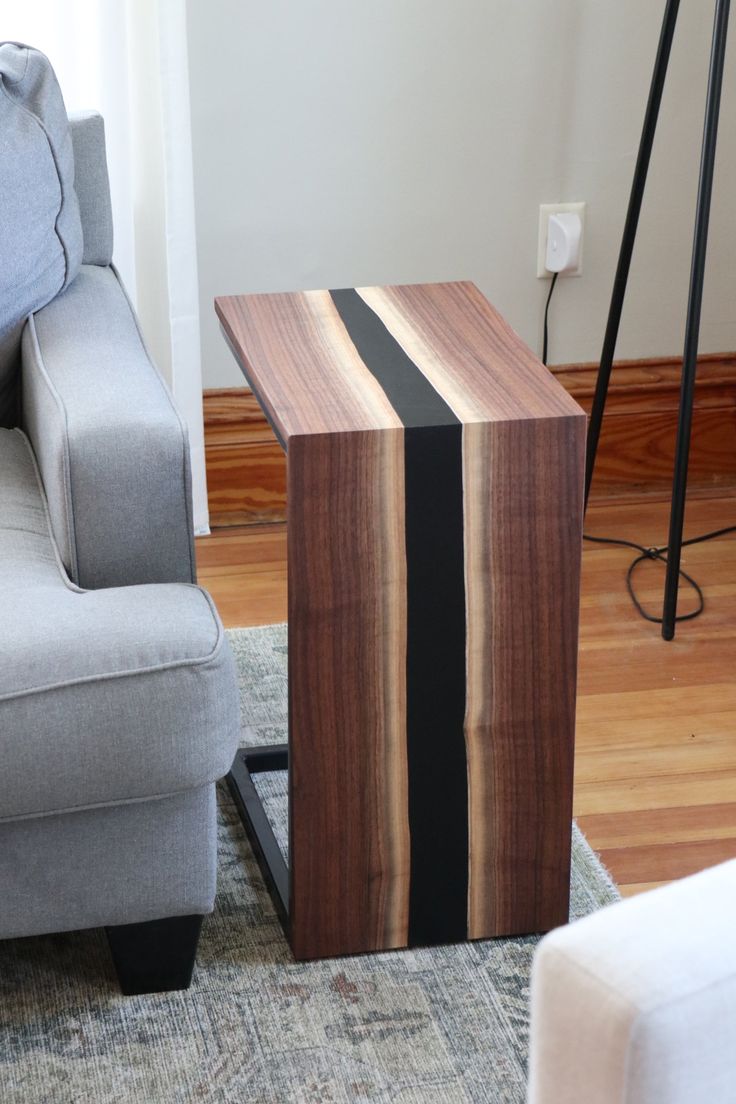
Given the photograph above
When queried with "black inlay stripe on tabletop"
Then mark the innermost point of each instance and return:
(407, 389)
(435, 665)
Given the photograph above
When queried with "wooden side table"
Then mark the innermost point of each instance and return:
(435, 474)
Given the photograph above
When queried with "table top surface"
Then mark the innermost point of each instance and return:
(383, 357)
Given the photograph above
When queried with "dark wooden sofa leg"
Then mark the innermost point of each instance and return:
(156, 956)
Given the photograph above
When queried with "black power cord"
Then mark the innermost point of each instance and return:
(659, 554)
(654, 553)
(546, 318)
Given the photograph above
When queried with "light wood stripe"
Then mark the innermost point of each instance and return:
(392, 921)
(482, 872)
(424, 356)
(340, 355)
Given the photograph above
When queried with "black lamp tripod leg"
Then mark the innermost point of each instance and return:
(627, 243)
(692, 328)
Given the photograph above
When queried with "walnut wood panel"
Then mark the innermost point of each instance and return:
(469, 352)
(434, 515)
(523, 558)
(349, 827)
(309, 378)
(303, 368)
(655, 695)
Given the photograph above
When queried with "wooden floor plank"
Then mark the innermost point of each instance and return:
(674, 825)
(665, 861)
(639, 887)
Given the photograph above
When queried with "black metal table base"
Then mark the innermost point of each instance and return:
(247, 762)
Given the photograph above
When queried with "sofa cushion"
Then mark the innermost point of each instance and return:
(106, 696)
(39, 213)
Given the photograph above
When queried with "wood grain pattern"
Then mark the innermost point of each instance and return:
(246, 484)
(347, 694)
(522, 597)
(518, 872)
(302, 366)
(247, 470)
(430, 740)
(648, 699)
(470, 354)
(232, 416)
(637, 443)
(634, 382)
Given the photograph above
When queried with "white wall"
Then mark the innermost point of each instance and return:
(339, 143)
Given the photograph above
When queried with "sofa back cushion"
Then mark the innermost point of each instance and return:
(40, 229)
(92, 185)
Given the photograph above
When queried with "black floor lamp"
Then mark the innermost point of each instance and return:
(692, 328)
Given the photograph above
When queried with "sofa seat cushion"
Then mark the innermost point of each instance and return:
(106, 696)
(42, 241)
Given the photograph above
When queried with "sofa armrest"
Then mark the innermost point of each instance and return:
(112, 450)
(637, 1002)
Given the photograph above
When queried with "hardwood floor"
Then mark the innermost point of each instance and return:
(655, 778)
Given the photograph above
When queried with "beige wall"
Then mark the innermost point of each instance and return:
(341, 143)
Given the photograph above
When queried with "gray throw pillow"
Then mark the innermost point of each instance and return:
(40, 229)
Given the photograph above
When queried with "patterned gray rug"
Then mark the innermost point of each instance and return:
(436, 1026)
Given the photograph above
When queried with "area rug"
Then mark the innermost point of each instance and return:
(432, 1026)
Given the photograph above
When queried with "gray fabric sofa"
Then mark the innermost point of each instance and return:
(118, 694)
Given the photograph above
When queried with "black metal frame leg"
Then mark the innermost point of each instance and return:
(629, 237)
(249, 761)
(692, 329)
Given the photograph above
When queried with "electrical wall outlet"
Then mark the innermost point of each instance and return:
(545, 210)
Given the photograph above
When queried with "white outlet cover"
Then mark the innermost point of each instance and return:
(545, 210)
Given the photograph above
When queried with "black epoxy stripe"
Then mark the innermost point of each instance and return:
(435, 685)
(407, 389)
(435, 669)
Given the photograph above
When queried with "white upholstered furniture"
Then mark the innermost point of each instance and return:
(636, 1004)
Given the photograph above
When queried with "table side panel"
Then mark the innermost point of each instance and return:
(523, 527)
(349, 849)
